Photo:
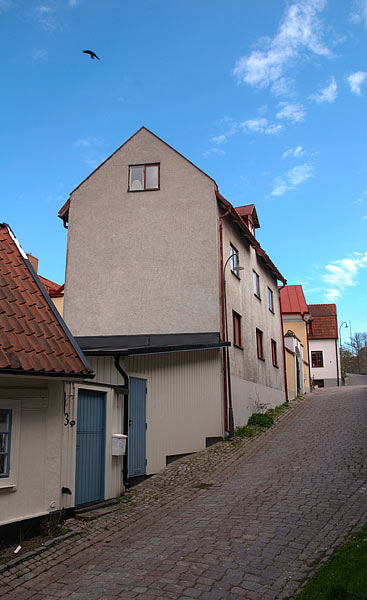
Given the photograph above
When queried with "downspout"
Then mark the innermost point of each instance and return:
(225, 373)
(337, 361)
(125, 418)
(308, 352)
(284, 367)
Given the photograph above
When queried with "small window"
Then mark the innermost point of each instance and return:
(5, 430)
(144, 178)
(270, 300)
(256, 279)
(259, 344)
(237, 340)
(318, 383)
(251, 227)
(235, 259)
(274, 356)
(317, 359)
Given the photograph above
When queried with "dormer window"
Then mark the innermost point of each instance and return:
(144, 178)
(251, 227)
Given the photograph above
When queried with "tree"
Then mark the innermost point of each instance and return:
(357, 342)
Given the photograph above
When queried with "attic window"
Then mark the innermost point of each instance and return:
(144, 178)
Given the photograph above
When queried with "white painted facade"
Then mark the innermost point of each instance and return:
(331, 360)
(33, 487)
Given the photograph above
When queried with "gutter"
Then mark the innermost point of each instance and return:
(125, 418)
(284, 367)
(226, 375)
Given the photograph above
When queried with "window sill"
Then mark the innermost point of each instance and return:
(11, 487)
(256, 296)
(148, 190)
(276, 366)
(271, 311)
(236, 346)
(261, 358)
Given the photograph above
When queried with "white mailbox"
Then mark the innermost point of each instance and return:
(118, 444)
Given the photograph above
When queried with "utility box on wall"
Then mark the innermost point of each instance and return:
(118, 444)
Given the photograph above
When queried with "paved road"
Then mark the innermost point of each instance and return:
(355, 379)
(255, 533)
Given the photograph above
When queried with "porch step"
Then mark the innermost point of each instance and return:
(89, 513)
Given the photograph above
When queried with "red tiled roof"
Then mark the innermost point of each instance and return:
(50, 286)
(324, 323)
(33, 338)
(292, 300)
(246, 210)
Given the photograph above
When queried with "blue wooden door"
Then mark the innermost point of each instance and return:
(137, 427)
(90, 446)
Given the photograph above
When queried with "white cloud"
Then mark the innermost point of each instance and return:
(293, 152)
(85, 142)
(359, 12)
(356, 80)
(299, 33)
(45, 15)
(73, 3)
(341, 274)
(292, 112)
(219, 139)
(217, 151)
(327, 94)
(291, 179)
(364, 218)
(260, 126)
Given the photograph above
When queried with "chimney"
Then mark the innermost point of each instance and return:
(34, 261)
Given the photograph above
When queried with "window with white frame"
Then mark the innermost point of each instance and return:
(270, 300)
(256, 279)
(5, 434)
(235, 259)
(143, 178)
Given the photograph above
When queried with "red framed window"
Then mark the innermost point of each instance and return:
(317, 358)
(143, 178)
(259, 344)
(270, 300)
(274, 356)
(237, 339)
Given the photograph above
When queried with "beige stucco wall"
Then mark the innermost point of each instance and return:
(299, 327)
(143, 262)
(184, 399)
(290, 360)
(255, 313)
(33, 486)
(59, 303)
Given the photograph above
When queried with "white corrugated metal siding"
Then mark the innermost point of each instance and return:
(184, 399)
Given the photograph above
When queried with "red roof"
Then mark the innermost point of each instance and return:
(33, 337)
(50, 286)
(292, 300)
(246, 210)
(324, 323)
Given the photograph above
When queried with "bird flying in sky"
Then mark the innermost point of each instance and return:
(91, 54)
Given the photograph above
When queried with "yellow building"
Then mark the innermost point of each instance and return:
(295, 315)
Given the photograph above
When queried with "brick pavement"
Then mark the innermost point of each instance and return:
(241, 520)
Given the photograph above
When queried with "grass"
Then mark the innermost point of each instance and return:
(343, 576)
(258, 422)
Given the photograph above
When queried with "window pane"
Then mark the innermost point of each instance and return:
(136, 178)
(3, 463)
(151, 178)
(4, 421)
(3, 442)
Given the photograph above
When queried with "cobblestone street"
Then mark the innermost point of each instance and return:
(247, 519)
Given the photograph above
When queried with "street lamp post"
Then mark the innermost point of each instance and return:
(236, 268)
(340, 348)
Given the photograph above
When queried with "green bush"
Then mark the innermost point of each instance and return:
(262, 420)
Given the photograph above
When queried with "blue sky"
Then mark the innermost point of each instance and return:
(268, 98)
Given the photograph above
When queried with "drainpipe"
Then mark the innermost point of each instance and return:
(308, 351)
(284, 368)
(337, 361)
(125, 377)
(223, 311)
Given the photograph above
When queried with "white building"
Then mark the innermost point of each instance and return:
(324, 345)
